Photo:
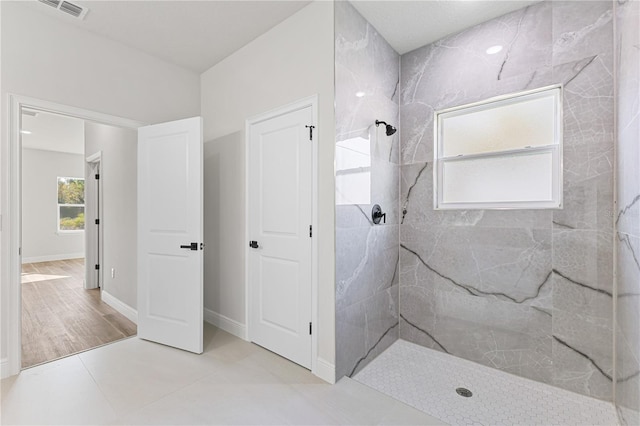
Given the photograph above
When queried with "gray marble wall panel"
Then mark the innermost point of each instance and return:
(525, 291)
(367, 255)
(627, 214)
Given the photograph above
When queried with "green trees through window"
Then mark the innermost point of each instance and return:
(70, 204)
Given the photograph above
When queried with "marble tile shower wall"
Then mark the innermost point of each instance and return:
(524, 291)
(367, 167)
(628, 212)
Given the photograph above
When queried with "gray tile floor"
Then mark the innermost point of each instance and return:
(234, 382)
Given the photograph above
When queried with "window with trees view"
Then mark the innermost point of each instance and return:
(70, 204)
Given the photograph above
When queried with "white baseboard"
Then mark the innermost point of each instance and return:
(52, 257)
(120, 306)
(325, 370)
(4, 368)
(225, 323)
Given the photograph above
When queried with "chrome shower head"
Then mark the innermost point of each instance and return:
(390, 130)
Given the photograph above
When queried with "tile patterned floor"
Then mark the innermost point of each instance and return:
(135, 382)
(427, 379)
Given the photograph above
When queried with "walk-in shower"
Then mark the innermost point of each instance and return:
(524, 293)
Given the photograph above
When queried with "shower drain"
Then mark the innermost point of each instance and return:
(464, 392)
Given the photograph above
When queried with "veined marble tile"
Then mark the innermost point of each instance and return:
(627, 215)
(628, 212)
(627, 382)
(381, 323)
(367, 255)
(581, 29)
(502, 335)
(350, 338)
(354, 114)
(353, 216)
(628, 294)
(506, 264)
(367, 263)
(584, 258)
(433, 77)
(628, 57)
(435, 69)
(587, 203)
(582, 355)
(366, 329)
(588, 101)
(361, 49)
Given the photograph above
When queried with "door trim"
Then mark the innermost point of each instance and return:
(311, 101)
(95, 160)
(12, 211)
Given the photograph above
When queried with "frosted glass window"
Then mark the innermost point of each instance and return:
(500, 153)
(511, 126)
(499, 179)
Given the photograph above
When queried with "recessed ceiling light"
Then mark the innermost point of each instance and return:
(494, 49)
(25, 132)
(360, 94)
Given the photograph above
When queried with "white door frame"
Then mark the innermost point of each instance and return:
(311, 101)
(12, 202)
(95, 161)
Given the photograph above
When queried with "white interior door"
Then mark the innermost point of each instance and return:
(170, 299)
(279, 209)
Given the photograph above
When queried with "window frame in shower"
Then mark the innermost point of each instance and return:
(551, 149)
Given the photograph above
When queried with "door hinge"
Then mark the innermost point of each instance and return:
(310, 328)
(310, 231)
(310, 131)
(97, 267)
(97, 176)
(97, 221)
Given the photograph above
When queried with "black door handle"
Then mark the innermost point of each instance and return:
(253, 244)
(192, 246)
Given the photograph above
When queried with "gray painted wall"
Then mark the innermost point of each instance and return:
(119, 206)
(628, 212)
(40, 238)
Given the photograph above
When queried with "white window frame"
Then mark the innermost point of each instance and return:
(67, 231)
(555, 148)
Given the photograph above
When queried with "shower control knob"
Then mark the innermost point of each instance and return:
(376, 215)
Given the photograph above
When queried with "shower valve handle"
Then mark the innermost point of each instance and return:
(376, 215)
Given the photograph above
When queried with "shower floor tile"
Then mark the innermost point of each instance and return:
(427, 380)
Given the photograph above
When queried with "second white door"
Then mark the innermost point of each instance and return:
(280, 208)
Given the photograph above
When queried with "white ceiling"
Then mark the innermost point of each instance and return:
(194, 35)
(53, 132)
(407, 25)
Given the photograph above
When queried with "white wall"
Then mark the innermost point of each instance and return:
(118, 174)
(292, 61)
(40, 238)
(46, 59)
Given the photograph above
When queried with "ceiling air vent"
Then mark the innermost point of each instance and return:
(53, 3)
(67, 7)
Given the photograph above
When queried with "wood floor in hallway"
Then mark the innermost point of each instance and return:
(60, 317)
